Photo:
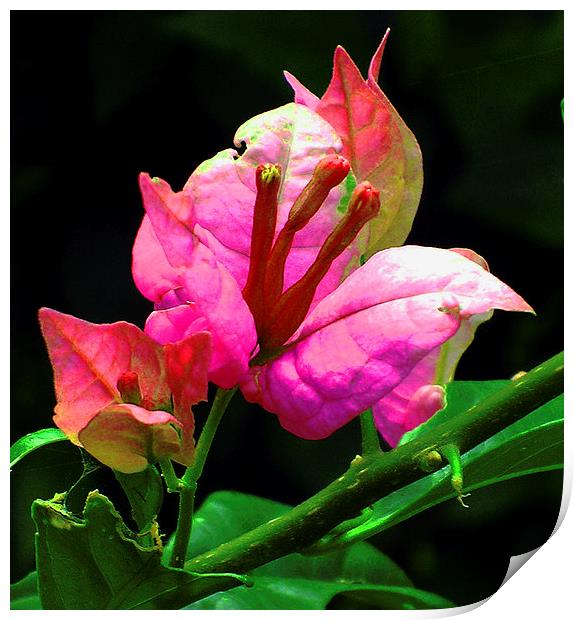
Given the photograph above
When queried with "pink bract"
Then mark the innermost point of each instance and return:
(376, 341)
(421, 394)
(191, 288)
(93, 365)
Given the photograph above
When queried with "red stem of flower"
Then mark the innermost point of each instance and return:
(268, 181)
(328, 173)
(293, 305)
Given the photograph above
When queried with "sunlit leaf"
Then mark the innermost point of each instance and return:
(460, 397)
(33, 441)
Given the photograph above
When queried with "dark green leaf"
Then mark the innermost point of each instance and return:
(24, 594)
(388, 598)
(360, 563)
(95, 563)
(144, 491)
(290, 593)
(296, 581)
(224, 515)
(32, 442)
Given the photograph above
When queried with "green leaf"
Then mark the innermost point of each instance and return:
(388, 598)
(224, 515)
(533, 444)
(144, 491)
(33, 441)
(24, 593)
(360, 563)
(289, 593)
(96, 563)
(296, 581)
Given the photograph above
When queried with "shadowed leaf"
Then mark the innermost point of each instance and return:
(296, 581)
(96, 563)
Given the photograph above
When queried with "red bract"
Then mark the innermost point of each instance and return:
(124, 398)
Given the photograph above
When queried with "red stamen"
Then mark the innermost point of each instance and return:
(129, 388)
(293, 305)
(268, 180)
(328, 173)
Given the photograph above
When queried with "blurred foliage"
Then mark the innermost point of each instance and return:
(100, 96)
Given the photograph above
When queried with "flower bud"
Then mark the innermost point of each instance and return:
(129, 388)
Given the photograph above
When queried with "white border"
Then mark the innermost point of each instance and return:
(542, 587)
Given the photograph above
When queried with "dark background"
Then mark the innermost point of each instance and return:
(98, 97)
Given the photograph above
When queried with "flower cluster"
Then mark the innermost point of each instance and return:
(280, 271)
(123, 397)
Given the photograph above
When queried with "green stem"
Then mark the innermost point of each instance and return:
(188, 483)
(218, 408)
(172, 482)
(369, 435)
(375, 476)
(332, 541)
(452, 454)
(183, 529)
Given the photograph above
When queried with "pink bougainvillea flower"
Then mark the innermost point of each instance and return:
(376, 141)
(122, 396)
(207, 228)
(257, 249)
